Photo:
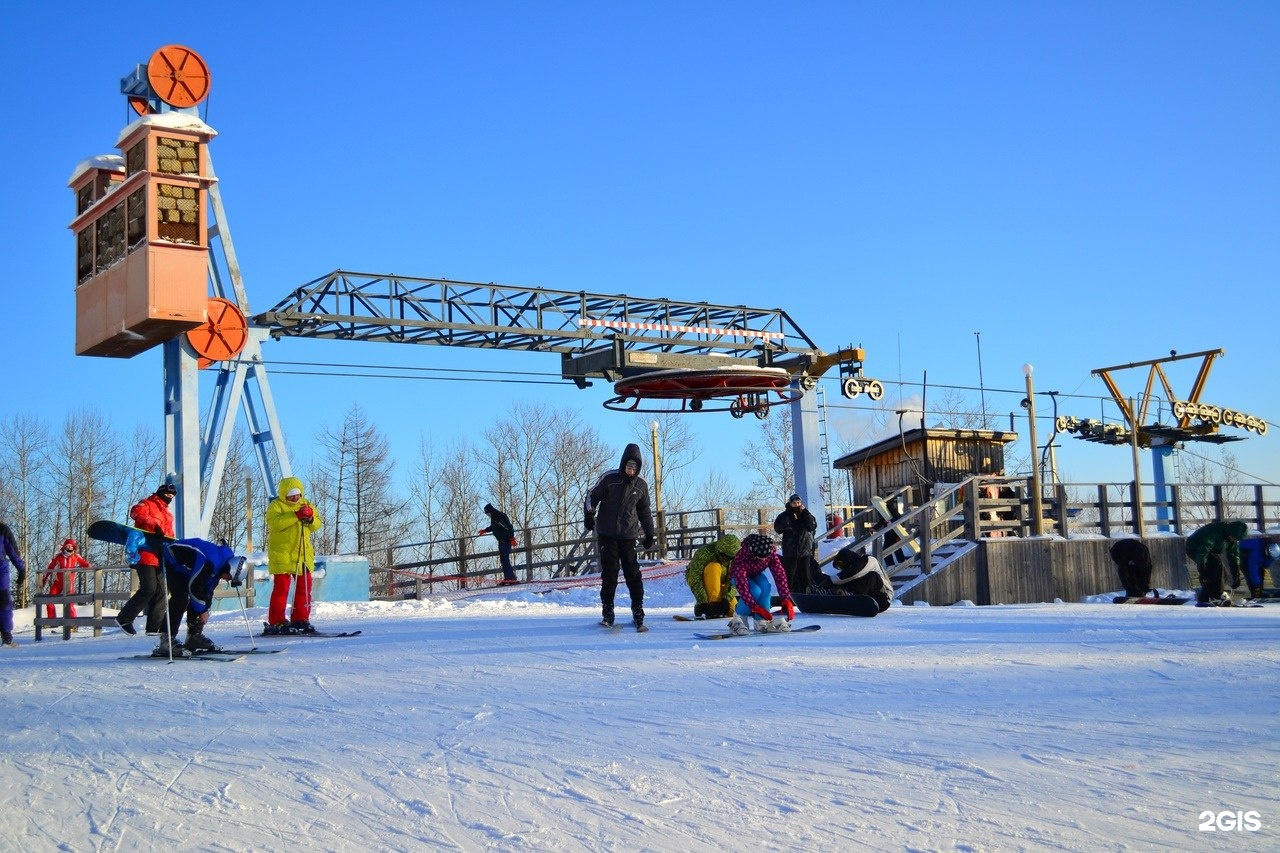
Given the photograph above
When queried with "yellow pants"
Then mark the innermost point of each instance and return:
(711, 579)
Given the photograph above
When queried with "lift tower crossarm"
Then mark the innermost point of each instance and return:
(1135, 419)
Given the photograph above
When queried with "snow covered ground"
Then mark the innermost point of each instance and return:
(512, 722)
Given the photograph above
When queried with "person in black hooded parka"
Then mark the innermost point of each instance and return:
(617, 509)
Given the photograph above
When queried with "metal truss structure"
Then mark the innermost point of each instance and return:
(596, 335)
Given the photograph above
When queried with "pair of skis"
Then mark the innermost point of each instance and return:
(216, 655)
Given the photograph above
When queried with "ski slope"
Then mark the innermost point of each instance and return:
(512, 722)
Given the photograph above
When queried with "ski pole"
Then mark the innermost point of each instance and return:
(245, 614)
(168, 628)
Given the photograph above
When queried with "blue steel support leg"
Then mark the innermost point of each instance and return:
(1159, 455)
(807, 455)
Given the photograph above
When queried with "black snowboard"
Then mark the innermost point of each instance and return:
(117, 533)
(1153, 599)
(837, 605)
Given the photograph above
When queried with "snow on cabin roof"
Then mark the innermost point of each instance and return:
(110, 162)
(174, 120)
(914, 435)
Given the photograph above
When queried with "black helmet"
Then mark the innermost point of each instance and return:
(758, 545)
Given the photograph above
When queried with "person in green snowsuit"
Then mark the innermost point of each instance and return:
(714, 595)
(1207, 548)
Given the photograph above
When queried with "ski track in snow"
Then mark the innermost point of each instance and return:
(1058, 727)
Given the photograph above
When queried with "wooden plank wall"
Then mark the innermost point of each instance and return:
(1023, 571)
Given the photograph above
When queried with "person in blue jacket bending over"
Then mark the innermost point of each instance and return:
(193, 569)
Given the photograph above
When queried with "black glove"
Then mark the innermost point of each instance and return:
(588, 520)
(648, 542)
(21, 578)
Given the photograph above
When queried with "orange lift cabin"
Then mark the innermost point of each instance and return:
(142, 249)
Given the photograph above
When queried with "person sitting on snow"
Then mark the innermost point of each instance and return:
(193, 569)
(852, 572)
(755, 596)
(708, 578)
(1133, 562)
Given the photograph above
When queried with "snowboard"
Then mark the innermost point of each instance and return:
(882, 508)
(1153, 599)
(1235, 605)
(837, 605)
(116, 533)
(803, 629)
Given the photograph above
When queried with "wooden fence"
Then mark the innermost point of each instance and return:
(99, 587)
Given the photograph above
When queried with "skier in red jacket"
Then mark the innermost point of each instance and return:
(153, 515)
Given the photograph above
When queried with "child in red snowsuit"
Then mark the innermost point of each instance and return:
(59, 579)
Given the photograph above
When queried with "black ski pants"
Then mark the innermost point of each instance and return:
(1213, 577)
(615, 554)
(149, 599)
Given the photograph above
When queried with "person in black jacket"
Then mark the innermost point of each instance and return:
(617, 509)
(796, 525)
(502, 530)
(1133, 564)
(854, 573)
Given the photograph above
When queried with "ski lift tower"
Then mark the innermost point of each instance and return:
(154, 259)
(1193, 420)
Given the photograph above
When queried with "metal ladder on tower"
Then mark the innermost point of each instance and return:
(824, 448)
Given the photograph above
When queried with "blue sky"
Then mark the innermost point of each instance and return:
(1086, 184)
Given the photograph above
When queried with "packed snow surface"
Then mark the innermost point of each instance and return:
(512, 722)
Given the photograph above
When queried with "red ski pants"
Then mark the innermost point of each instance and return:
(60, 585)
(280, 598)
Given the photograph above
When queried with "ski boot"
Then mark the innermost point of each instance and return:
(168, 648)
(278, 630)
(197, 641)
(776, 625)
(738, 626)
(302, 627)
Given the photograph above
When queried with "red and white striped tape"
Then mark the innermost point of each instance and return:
(666, 327)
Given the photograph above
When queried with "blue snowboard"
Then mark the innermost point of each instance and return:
(117, 533)
(803, 629)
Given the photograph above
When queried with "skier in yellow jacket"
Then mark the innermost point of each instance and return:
(291, 521)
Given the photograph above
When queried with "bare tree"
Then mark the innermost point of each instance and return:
(578, 457)
(770, 459)
(459, 484)
(353, 486)
(1197, 477)
(24, 442)
(679, 451)
(424, 490)
(230, 521)
(518, 455)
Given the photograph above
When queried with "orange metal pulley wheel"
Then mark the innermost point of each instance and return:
(178, 76)
(223, 335)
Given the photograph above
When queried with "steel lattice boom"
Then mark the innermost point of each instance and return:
(369, 307)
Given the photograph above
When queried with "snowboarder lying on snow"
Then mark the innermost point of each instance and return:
(193, 568)
(1133, 562)
(757, 555)
(1206, 548)
(852, 572)
(708, 578)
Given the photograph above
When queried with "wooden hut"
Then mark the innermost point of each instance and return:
(918, 458)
